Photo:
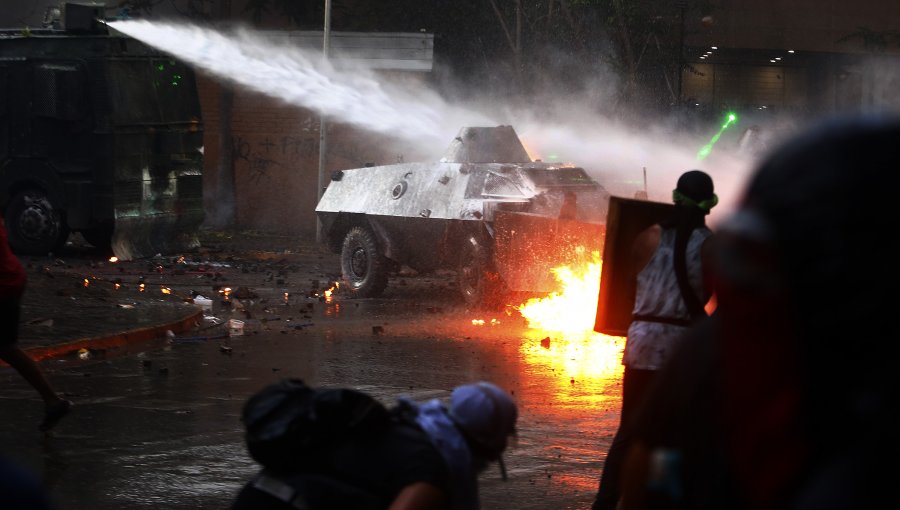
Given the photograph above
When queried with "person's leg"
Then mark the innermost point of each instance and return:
(55, 407)
(634, 387)
(30, 371)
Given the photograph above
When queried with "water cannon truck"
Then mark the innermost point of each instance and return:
(99, 134)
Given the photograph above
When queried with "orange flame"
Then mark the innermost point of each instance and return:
(564, 321)
(114, 259)
(329, 293)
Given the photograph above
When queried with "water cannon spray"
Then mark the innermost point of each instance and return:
(730, 119)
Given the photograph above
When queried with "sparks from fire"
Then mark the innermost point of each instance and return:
(562, 326)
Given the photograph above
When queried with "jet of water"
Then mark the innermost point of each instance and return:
(302, 77)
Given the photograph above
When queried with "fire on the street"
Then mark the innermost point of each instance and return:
(561, 326)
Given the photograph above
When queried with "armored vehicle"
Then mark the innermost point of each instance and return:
(485, 210)
(98, 134)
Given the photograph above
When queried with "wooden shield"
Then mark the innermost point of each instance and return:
(625, 220)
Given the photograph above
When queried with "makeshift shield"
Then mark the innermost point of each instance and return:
(625, 220)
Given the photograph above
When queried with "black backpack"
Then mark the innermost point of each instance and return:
(289, 425)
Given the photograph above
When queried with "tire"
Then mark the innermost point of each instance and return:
(34, 225)
(364, 268)
(479, 283)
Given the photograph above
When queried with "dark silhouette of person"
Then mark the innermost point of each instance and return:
(427, 458)
(786, 397)
(671, 260)
(12, 286)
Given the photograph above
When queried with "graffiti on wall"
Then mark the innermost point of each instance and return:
(261, 157)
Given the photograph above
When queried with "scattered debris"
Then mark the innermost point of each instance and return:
(224, 349)
(204, 302)
(235, 327)
(377, 330)
(545, 342)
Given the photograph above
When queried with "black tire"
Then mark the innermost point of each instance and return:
(479, 283)
(364, 268)
(34, 225)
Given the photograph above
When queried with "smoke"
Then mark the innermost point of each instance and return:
(619, 155)
(557, 127)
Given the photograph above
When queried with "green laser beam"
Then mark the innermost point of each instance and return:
(704, 151)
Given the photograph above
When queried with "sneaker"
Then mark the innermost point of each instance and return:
(53, 413)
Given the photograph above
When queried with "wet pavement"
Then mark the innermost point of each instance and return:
(157, 422)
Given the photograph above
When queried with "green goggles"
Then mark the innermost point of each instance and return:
(705, 205)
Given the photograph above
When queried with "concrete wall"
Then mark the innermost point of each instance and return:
(276, 158)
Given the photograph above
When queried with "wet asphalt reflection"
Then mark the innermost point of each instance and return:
(158, 425)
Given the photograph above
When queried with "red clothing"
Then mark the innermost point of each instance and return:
(12, 274)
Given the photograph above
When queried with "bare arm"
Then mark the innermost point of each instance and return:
(419, 496)
(644, 246)
(707, 263)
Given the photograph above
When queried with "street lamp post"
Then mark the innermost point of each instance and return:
(681, 6)
(323, 125)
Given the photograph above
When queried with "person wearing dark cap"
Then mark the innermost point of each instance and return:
(787, 397)
(673, 284)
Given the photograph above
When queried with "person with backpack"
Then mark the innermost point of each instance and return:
(341, 448)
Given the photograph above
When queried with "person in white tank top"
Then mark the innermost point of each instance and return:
(664, 307)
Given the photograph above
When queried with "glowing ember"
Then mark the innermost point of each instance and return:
(86, 282)
(562, 326)
(482, 322)
(180, 260)
(329, 294)
(117, 286)
(142, 287)
(166, 290)
(114, 259)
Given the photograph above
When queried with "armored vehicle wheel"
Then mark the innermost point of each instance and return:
(364, 268)
(35, 227)
(479, 284)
